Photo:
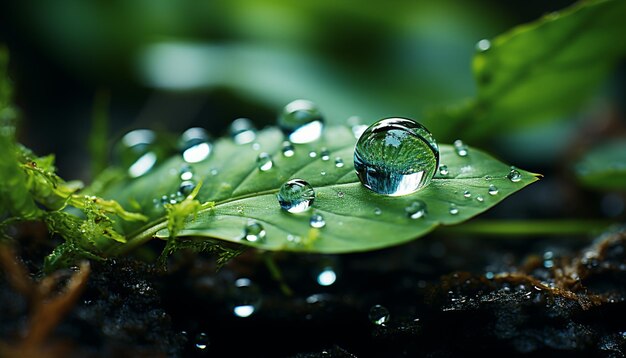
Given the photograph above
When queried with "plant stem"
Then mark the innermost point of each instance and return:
(277, 275)
(529, 227)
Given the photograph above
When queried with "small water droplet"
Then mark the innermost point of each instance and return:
(460, 148)
(256, 146)
(301, 121)
(377, 211)
(325, 154)
(214, 171)
(195, 145)
(186, 187)
(396, 156)
(489, 275)
(246, 298)
(186, 172)
(317, 221)
(514, 176)
(242, 131)
(340, 194)
(493, 190)
(322, 173)
(453, 209)
(312, 154)
(488, 177)
(339, 162)
(254, 232)
(296, 196)
(264, 162)
(416, 209)
(327, 277)
(483, 45)
(294, 239)
(288, 150)
(480, 198)
(379, 315)
(443, 169)
(467, 194)
(202, 341)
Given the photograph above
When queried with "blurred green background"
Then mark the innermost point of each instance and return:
(171, 65)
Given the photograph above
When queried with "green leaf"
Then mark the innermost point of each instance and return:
(240, 192)
(540, 71)
(604, 167)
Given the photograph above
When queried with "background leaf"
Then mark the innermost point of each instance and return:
(242, 193)
(604, 167)
(540, 71)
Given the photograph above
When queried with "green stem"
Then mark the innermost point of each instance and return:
(528, 227)
(138, 239)
(276, 273)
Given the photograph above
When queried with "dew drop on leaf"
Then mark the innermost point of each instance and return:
(460, 148)
(396, 156)
(301, 121)
(186, 172)
(288, 150)
(453, 210)
(514, 175)
(195, 145)
(379, 315)
(480, 198)
(493, 190)
(416, 209)
(296, 196)
(443, 169)
(264, 162)
(135, 152)
(377, 211)
(325, 154)
(242, 131)
(186, 187)
(339, 162)
(254, 232)
(317, 221)
(467, 194)
(312, 154)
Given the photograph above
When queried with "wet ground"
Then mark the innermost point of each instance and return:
(438, 297)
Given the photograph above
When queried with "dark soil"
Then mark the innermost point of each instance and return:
(561, 297)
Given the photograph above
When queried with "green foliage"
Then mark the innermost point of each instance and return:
(604, 167)
(540, 71)
(240, 192)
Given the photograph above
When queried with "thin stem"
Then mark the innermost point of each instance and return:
(277, 275)
(528, 227)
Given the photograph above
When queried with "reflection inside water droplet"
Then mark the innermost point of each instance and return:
(514, 176)
(296, 196)
(396, 156)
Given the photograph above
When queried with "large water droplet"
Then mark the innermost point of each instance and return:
(483, 45)
(493, 190)
(246, 298)
(202, 341)
(135, 152)
(453, 210)
(301, 121)
(186, 172)
(264, 162)
(296, 196)
(254, 232)
(416, 210)
(288, 150)
(186, 187)
(317, 221)
(242, 131)
(443, 170)
(379, 315)
(327, 277)
(514, 176)
(195, 145)
(396, 156)
(460, 148)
